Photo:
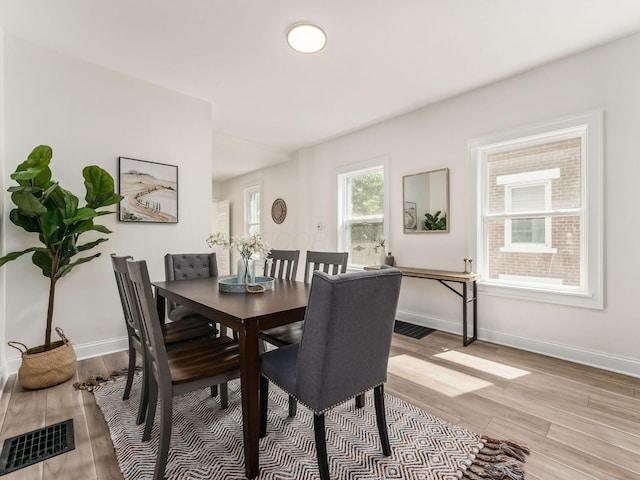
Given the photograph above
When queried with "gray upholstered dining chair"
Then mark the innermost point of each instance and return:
(174, 333)
(175, 372)
(328, 262)
(282, 264)
(185, 266)
(344, 349)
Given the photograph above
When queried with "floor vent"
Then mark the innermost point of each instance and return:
(33, 447)
(411, 330)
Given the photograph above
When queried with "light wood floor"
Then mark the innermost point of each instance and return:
(580, 422)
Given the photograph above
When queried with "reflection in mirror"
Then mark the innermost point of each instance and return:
(426, 201)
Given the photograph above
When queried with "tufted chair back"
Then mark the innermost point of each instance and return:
(185, 266)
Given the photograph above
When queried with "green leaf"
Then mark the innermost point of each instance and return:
(53, 227)
(90, 245)
(13, 255)
(30, 224)
(100, 187)
(81, 227)
(40, 156)
(67, 268)
(70, 204)
(24, 189)
(28, 204)
(42, 258)
(28, 173)
(101, 229)
(35, 170)
(82, 214)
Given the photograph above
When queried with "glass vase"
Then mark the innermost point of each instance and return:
(246, 270)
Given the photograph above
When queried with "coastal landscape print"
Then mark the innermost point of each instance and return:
(150, 191)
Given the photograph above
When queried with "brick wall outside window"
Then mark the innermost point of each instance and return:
(564, 264)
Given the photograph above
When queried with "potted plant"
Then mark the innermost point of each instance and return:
(45, 208)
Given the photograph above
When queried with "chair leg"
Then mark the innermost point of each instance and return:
(360, 401)
(264, 404)
(131, 370)
(144, 394)
(293, 406)
(321, 445)
(224, 395)
(166, 408)
(378, 395)
(151, 411)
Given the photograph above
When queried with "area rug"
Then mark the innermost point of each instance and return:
(206, 441)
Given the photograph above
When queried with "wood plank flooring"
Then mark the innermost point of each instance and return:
(580, 422)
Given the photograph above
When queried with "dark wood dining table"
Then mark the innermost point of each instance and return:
(247, 314)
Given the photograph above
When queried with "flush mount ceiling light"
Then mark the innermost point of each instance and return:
(306, 38)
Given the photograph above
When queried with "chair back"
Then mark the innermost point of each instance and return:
(122, 278)
(146, 313)
(328, 262)
(347, 336)
(185, 266)
(283, 264)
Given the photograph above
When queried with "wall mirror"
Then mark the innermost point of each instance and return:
(426, 202)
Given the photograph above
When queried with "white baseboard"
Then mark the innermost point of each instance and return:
(86, 350)
(606, 361)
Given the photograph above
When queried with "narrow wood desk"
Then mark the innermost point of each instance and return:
(445, 277)
(247, 314)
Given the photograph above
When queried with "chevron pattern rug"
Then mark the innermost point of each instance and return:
(206, 442)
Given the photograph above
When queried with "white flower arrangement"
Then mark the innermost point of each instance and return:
(379, 244)
(247, 246)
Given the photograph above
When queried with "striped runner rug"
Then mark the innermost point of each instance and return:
(206, 441)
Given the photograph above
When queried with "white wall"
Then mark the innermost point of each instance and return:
(3, 341)
(281, 181)
(436, 137)
(91, 115)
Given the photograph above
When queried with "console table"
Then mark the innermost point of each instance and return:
(445, 277)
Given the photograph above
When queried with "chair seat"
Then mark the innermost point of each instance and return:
(280, 364)
(187, 329)
(284, 335)
(203, 359)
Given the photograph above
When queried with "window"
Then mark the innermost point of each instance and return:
(362, 207)
(527, 194)
(538, 212)
(252, 207)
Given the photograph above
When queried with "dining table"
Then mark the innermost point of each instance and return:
(248, 314)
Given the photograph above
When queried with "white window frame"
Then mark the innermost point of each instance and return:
(343, 218)
(528, 179)
(248, 192)
(590, 294)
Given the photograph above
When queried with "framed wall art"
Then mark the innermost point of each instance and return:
(150, 191)
(410, 218)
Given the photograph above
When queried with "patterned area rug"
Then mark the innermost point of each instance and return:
(206, 442)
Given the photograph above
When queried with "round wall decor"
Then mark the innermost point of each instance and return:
(278, 210)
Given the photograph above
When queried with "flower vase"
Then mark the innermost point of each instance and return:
(383, 258)
(246, 270)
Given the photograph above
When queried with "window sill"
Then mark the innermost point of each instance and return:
(568, 297)
(528, 249)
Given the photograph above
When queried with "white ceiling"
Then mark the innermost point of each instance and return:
(383, 57)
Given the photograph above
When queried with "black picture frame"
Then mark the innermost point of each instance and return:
(150, 191)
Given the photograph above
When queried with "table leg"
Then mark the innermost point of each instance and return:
(161, 306)
(249, 372)
(464, 314)
(475, 310)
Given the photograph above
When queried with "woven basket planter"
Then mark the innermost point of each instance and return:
(42, 368)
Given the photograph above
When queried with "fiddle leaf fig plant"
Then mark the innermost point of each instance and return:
(45, 208)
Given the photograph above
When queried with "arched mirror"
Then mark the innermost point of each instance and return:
(426, 202)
